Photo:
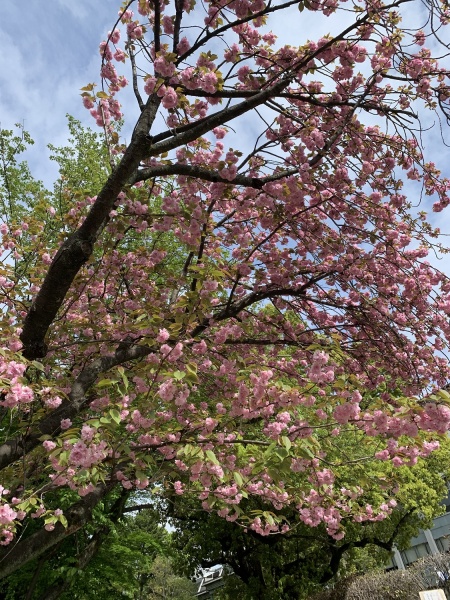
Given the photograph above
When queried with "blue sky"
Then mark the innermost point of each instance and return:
(48, 51)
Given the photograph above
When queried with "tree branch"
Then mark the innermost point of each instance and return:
(28, 548)
(207, 175)
(78, 247)
(16, 447)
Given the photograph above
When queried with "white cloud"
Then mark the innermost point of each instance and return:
(42, 71)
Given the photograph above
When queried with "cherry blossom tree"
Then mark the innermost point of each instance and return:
(202, 319)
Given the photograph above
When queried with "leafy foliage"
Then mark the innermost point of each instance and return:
(303, 560)
(110, 558)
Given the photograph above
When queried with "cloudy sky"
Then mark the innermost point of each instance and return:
(49, 50)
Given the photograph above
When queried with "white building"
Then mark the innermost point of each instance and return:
(211, 580)
(428, 542)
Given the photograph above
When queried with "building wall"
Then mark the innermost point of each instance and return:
(429, 541)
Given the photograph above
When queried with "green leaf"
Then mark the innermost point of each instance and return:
(238, 478)
(306, 450)
(115, 415)
(281, 452)
(38, 365)
(286, 442)
(211, 457)
(192, 373)
(270, 449)
(444, 394)
(106, 382)
(269, 517)
(274, 473)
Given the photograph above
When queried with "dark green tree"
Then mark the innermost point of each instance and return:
(295, 564)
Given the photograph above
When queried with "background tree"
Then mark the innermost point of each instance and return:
(119, 554)
(294, 564)
(166, 584)
(134, 561)
(208, 320)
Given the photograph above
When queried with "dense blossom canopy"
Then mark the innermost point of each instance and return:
(213, 320)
